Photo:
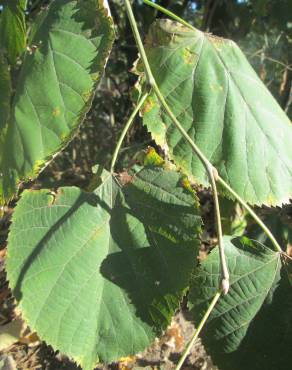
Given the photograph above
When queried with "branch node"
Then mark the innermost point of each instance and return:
(215, 173)
(225, 285)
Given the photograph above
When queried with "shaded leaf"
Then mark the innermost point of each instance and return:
(98, 275)
(268, 337)
(233, 217)
(13, 28)
(226, 110)
(5, 95)
(254, 275)
(71, 41)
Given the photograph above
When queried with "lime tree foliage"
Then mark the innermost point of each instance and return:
(99, 272)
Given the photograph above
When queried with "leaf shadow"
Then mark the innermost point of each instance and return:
(150, 268)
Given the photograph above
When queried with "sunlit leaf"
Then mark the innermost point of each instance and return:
(226, 110)
(70, 44)
(98, 275)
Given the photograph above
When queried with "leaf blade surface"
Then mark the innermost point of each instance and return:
(94, 274)
(225, 109)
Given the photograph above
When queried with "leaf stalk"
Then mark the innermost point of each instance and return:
(208, 166)
(125, 130)
(252, 213)
(198, 331)
(169, 14)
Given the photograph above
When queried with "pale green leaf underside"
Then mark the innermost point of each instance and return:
(254, 272)
(98, 275)
(225, 108)
(70, 45)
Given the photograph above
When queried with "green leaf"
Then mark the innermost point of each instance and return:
(279, 223)
(98, 275)
(70, 45)
(233, 217)
(13, 29)
(225, 108)
(254, 273)
(5, 95)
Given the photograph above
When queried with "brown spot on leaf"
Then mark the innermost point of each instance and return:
(125, 178)
(148, 105)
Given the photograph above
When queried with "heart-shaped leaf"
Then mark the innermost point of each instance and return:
(250, 328)
(225, 108)
(254, 274)
(98, 275)
(69, 46)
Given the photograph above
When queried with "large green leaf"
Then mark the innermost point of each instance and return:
(226, 110)
(71, 41)
(241, 320)
(13, 28)
(98, 275)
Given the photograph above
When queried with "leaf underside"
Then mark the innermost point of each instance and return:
(224, 107)
(247, 327)
(70, 43)
(98, 275)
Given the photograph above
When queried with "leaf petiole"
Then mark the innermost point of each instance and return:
(125, 130)
(208, 166)
(169, 14)
(198, 331)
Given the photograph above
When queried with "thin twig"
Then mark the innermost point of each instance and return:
(208, 166)
(169, 14)
(197, 332)
(125, 130)
(252, 213)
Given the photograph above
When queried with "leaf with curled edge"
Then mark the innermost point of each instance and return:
(70, 42)
(224, 107)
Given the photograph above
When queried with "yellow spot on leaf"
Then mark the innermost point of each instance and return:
(152, 158)
(86, 95)
(271, 200)
(56, 112)
(188, 56)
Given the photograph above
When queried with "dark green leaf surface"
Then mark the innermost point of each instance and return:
(254, 274)
(13, 28)
(71, 41)
(226, 110)
(98, 275)
(5, 95)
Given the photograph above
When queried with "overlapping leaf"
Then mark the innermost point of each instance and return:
(226, 110)
(69, 46)
(13, 28)
(254, 270)
(99, 274)
(240, 323)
